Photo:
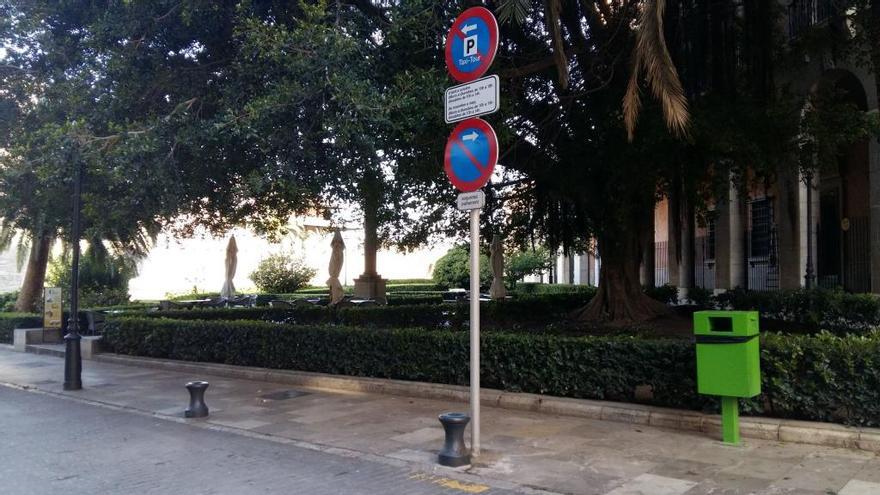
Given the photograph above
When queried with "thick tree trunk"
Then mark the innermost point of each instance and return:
(620, 299)
(35, 275)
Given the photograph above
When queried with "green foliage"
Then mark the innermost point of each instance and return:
(393, 288)
(831, 122)
(539, 289)
(833, 310)
(280, 273)
(665, 293)
(7, 301)
(103, 277)
(453, 269)
(194, 294)
(823, 378)
(527, 262)
(539, 310)
(702, 298)
(412, 299)
(11, 321)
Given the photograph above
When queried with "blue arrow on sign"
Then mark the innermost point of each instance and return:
(471, 154)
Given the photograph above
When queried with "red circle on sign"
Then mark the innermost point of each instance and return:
(484, 165)
(487, 17)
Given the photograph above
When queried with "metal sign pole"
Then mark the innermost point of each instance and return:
(475, 332)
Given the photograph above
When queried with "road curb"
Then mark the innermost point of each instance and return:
(806, 432)
(420, 468)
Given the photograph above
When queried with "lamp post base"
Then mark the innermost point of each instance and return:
(72, 362)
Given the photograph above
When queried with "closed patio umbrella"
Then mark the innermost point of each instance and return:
(228, 291)
(336, 260)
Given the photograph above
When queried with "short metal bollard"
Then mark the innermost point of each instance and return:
(454, 453)
(197, 407)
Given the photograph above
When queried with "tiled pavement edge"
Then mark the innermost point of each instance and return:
(522, 448)
(809, 432)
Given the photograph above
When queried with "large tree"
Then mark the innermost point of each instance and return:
(129, 92)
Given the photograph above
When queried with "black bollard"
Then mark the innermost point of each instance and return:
(454, 453)
(197, 407)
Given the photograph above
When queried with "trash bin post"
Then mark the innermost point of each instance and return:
(730, 420)
(728, 362)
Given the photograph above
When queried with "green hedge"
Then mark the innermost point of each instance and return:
(11, 321)
(824, 377)
(414, 298)
(395, 288)
(811, 310)
(540, 310)
(530, 288)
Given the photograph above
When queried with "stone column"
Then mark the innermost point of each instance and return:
(791, 229)
(730, 239)
(370, 285)
(738, 266)
(583, 269)
(686, 265)
(874, 212)
(673, 239)
(647, 273)
(723, 236)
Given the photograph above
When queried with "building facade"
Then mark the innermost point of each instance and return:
(820, 229)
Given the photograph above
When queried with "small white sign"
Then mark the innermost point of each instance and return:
(471, 201)
(472, 99)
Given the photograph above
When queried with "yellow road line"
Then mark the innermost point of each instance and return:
(450, 483)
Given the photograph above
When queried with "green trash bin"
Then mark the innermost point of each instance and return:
(728, 361)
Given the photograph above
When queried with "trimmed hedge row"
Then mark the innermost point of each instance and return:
(833, 310)
(10, 321)
(530, 288)
(538, 309)
(392, 288)
(821, 378)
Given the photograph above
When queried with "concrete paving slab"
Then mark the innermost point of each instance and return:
(859, 487)
(651, 484)
(561, 454)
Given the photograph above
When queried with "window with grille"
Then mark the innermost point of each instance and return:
(710, 238)
(761, 226)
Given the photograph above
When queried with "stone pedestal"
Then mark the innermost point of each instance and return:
(90, 346)
(370, 287)
(52, 336)
(22, 337)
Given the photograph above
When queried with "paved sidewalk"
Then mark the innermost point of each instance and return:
(554, 453)
(53, 445)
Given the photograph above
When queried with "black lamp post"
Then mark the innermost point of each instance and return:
(72, 353)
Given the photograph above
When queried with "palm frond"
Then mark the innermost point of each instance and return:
(651, 55)
(23, 250)
(7, 235)
(513, 10)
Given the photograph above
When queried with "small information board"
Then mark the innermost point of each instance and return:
(472, 99)
(471, 201)
(52, 311)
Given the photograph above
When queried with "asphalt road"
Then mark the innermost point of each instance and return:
(53, 445)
